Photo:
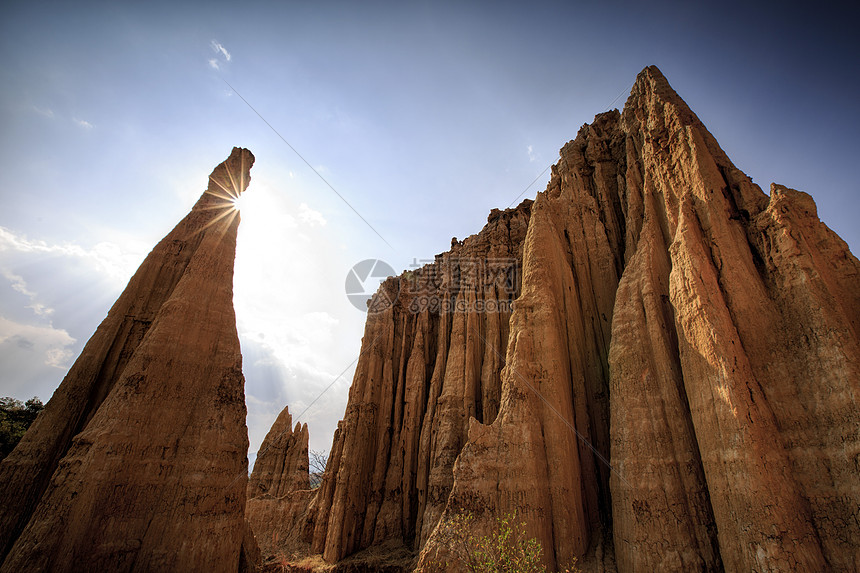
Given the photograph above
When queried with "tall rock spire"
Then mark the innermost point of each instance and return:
(139, 461)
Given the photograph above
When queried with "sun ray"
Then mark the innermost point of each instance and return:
(242, 177)
(235, 193)
(226, 198)
(229, 204)
(227, 213)
(218, 183)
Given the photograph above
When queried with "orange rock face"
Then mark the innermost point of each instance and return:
(695, 336)
(429, 362)
(675, 389)
(139, 461)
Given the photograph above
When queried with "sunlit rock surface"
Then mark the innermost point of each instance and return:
(430, 361)
(700, 337)
(675, 389)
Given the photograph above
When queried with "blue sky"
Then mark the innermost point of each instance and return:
(424, 116)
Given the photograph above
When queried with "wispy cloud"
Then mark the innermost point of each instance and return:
(292, 352)
(108, 258)
(531, 152)
(51, 343)
(213, 63)
(309, 216)
(60, 357)
(18, 284)
(43, 111)
(219, 49)
(82, 123)
(39, 309)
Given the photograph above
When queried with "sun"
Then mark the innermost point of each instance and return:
(229, 194)
(237, 203)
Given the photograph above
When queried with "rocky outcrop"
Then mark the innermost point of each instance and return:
(682, 367)
(431, 359)
(138, 461)
(282, 462)
(279, 489)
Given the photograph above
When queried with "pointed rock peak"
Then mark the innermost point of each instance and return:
(651, 92)
(283, 424)
(282, 462)
(228, 180)
(650, 87)
(693, 292)
(653, 73)
(651, 78)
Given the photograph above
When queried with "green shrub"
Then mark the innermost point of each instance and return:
(506, 549)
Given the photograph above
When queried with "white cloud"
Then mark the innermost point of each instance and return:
(315, 394)
(43, 111)
(63, 287)
(18, 284)
(219, 49)
(309, 216)
(82, 123)
(109, 259)
(59, 357)
(59, 283)
(213, 63)
(49, 343)
(531, 153)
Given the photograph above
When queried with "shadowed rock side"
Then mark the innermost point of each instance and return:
(279, 488)
(430, 361)
(139, 460)
(698, 336)
(282, 463)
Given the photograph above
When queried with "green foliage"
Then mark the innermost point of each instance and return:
(15, 418)
(506, 549)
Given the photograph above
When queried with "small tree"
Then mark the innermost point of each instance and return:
(317, 461)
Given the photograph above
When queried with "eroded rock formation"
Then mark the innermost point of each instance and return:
(429, 362)
(676, 388)
(282, 462)
(139, 460)
(715, 330)
(279, 488)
